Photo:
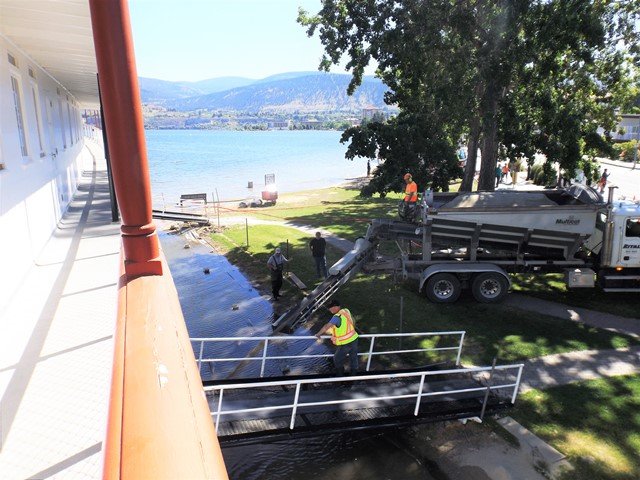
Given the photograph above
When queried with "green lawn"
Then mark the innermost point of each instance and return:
(595, 423)
(492, 330)
(263, 239)
(344, 213)
(552, 287)
(338, 210)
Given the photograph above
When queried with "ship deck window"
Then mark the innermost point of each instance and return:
(64, 136)
(69, 123)
(633, 227)
(36, 108)
(17, 100)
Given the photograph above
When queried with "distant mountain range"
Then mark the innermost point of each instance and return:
(282, 93)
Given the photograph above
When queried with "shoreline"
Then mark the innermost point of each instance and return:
(350, 183)
(223, 164)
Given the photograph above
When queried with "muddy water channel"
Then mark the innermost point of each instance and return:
(224, 303)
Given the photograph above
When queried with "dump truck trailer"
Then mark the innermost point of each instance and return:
(460, 241)
(474, 240)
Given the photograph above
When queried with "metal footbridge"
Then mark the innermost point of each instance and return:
(180, 217)
(250, 410)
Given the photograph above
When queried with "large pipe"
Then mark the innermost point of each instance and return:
(125, 134)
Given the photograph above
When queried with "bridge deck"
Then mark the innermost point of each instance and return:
(349, 403)
(180, 216)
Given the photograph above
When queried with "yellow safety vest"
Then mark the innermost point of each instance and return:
(346, 332)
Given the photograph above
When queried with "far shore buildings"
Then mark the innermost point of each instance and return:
(280, 124)
(310, 124)
(370, 112)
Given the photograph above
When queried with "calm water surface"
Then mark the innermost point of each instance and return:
(201, 161)
(224, 303)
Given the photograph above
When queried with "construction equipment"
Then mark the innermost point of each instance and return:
(475, 240)
(339, 274)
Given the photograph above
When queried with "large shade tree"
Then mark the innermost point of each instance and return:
(528, 75)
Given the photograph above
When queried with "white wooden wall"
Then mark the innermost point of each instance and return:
(35, 189)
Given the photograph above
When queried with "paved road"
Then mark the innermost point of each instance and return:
(626, 179)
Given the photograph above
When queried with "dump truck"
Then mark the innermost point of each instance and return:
(457, 241)
(475, 240)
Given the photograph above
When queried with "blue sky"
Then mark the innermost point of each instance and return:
(198, 39)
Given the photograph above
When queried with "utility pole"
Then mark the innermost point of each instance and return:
(637, 145)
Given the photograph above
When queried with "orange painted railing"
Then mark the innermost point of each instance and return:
(159, 424)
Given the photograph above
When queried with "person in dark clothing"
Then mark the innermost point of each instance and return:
(276, 266)
(318, 246)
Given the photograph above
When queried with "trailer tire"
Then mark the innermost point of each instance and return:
(443, 288)
(489, 287)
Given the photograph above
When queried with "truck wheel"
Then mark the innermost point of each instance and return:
(443, 288)
(489, 287)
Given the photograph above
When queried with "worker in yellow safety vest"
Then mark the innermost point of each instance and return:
(343, 336)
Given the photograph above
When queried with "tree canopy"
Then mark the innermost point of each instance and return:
(515, 77)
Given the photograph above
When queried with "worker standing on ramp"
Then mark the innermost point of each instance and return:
(343, 336)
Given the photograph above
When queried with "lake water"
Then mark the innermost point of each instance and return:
(201, 161)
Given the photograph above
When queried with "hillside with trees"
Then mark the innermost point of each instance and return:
(317, 92)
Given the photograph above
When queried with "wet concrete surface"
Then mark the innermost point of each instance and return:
(223, 303)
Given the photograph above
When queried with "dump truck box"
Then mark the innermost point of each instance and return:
(551, 224)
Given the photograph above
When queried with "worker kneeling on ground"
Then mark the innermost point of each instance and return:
(343, 336)
(407, 208)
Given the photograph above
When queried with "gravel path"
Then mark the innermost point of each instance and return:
(564, 368)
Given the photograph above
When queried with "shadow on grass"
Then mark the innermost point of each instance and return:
(492, 330)
(595, 423)
(552, 287)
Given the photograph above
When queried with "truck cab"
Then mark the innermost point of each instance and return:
(620, 267)
(625, 247)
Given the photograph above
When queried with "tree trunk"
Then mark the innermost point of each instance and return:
(487, 180)
(472, 156)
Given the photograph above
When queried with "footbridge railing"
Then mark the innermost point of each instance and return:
(400, 397)
(378, 345)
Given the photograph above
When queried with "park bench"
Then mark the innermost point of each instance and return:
(194, 196)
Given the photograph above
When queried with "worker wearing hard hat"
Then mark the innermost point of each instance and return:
(411, 190)
(407, 207)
